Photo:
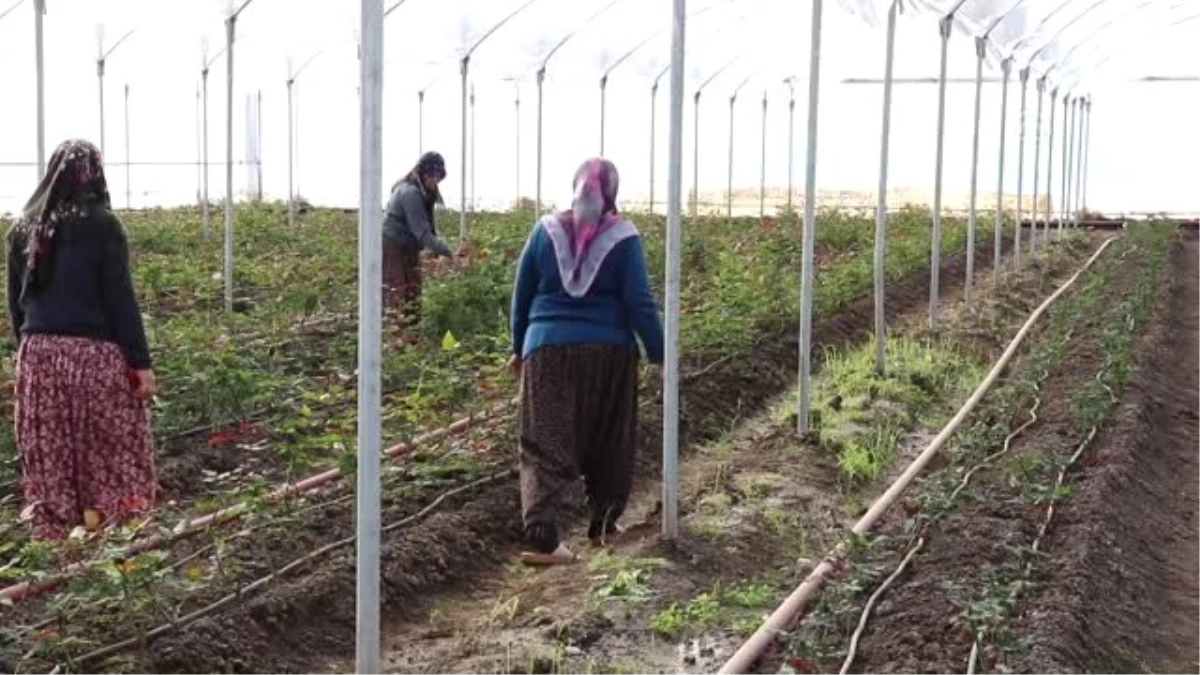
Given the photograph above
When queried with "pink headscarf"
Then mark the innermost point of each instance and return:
(594, 208)
(584, 236)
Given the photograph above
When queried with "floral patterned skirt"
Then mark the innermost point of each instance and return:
(84, 440)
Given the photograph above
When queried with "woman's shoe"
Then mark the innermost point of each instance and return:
(560, 556)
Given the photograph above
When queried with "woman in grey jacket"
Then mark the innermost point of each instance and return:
(408, 228)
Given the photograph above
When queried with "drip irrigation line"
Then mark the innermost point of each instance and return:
(852, 652)
(294, 565)
(862, 621)
(787, 613)
(973, 658)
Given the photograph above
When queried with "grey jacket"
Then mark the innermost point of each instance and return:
(409, 219)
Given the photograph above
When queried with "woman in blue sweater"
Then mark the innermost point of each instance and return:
(581, 295)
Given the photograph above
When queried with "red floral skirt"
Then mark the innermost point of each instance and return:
(84, 440)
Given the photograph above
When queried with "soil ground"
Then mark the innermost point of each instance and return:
(1113, 582)
(452, 564)
(301, 623)
(756, 506)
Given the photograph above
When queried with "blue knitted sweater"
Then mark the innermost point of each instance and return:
(618, 305)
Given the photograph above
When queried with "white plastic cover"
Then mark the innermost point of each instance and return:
(1069, 42)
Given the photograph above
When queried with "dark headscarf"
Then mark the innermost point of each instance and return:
(430, 164)
(74, 185)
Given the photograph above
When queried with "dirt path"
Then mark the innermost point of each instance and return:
(1181, 622)
(1181, 626)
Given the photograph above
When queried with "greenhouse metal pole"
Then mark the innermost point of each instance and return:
(291, 132)
(653, 109)
(421, 122)
(1083, 160)
(935, 247)
(368, 530)
(972, 212)
(100, 80)
(473, 156)
(1087, 154)
(199, 149)
(603, 108)
(39, 11)
(230, 36)
(674, 250)
(804, 393)
(230, 31)
(762, 172)
(541, 77)
(205, 206)
(1050, 165)
(1069, 159)
(1077, 135)
(517, 141)
(1005, 69)
(465, 66)
(1024, 75)
(729, 189)
(1037, 167)
(258, 188)
(128, 166)
(696, 130)
(101, 60)
(696, 154)
(729, 169)
(293, 73)
(792, 134)
(1065, 164)
(881, 206)
(462, 208)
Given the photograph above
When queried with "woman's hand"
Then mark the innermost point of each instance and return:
(514, 366)
(146, 386)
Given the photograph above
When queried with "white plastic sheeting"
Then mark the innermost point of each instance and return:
(1067, 41)
(425, 40)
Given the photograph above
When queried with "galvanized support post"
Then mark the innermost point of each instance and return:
(935, 246)
(1024, 75)
(881, 206)
(762, 172)
(1037, 167)
(969, 284)
(674, 250)
(804, 393)
(1005, 69)
(1050, 164)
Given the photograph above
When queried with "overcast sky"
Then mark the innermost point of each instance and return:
(1144, 139)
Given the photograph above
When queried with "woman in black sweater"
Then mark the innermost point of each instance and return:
(83, 367)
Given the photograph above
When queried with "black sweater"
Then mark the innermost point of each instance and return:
(89, 292)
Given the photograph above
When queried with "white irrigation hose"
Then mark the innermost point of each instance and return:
(973, 659)
(785, 615)
(852, 651)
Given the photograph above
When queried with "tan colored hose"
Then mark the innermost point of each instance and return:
(785, 615)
